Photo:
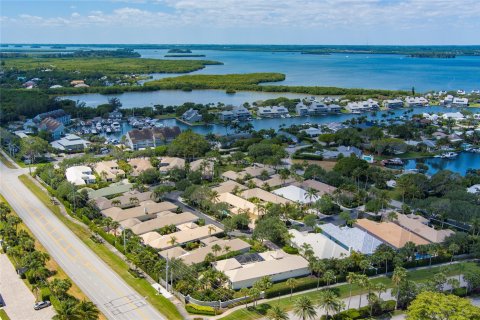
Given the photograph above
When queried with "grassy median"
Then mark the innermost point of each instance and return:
(6, 162)
(142, 286)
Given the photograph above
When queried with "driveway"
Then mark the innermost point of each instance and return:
(19, 300)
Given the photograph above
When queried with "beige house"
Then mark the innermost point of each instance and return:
(193, 233)
(169, 163)
(206, 166)
(145, 211)
(164, 218)
(103, 203)
(321, 187)
(198, 255)
(108, 170)
(274, 181)
(139, 165)
(390, 233)
(237, 204)
(229, 186)
(419, 226)
(253, 171)
(277, 265)
(263, 196)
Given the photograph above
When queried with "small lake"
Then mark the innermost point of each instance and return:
(460, 164)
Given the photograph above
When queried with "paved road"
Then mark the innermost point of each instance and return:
(103, 286)
(19, 300)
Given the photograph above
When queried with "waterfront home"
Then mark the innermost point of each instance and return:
(237, 246)
(413, 102)
(351, 239)
(362, 106)
(393, 103)
(80, 175)
(168, 163)
(312, 132)
(419, 226)
(460, 102)
(243, 271)
(59, 114)
(322, 246)
(453, 115)
(150, 137)
(139, 165)
(236, 113)
(390, 233)
(272, 112)
(448, 100)
(346, 151)
(108, 170)
(70, 142)
(296, 194)
(52, 126)
(191, 115)
(320, 187)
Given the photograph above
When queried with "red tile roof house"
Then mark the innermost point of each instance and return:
(151, 137)
(56, 128)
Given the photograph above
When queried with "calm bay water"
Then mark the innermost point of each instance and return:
(373, 71)
(460, 164)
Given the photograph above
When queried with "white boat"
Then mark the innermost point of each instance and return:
(449, 155)
(94, 131)
(108, 130)
(116, 126)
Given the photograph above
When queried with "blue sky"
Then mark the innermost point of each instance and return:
(242, 21)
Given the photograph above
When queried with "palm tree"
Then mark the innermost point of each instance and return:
(364, 265)
(277, 313)
(211, 228)
(216, 248)
(362, 281)
(133, 200)
(453, 249)
(88, 310)
(453, 283)
(311, 194)
(116, 203)
(330, 302)
(318, 267)
(351, 279)
(329, 276)
(292, 283)
(304, 308)
(398, 276)
(244, 293)
(67, 310)
(172, 241)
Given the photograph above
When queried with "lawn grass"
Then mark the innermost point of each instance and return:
(344, 291)
(6, 162)
(51, 264)
(162, 304)
(4, 315)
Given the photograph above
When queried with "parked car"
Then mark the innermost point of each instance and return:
(41, 305)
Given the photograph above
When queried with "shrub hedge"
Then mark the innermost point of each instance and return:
(363, 312)
(204, 310)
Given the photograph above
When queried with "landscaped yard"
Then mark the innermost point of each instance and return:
(142, 286)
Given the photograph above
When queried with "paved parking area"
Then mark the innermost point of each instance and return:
(19, 300)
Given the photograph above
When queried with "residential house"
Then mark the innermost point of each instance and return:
(108, 170)
(320, 187)
(390, 233)
(460, 102)
(296, 194)
(70, 142)
(229, 186)
(322, 246)
(257, 193)
(272, 182)
(146, 210)
(139, 165)
(393, 103)
(237, 205)
(190, 232)
(163, 219)
(192, 115)
(362, 106)
(419, 226)
(346, 151)
(272, 112)
(351, 239)
(52, 126)
(103, 203)
(207, 168)
(150, 137)
(237, 113)
(114, 188)
(168, 163)
(277, 265)
(413, 102)
(198, 255)
(80, 175)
